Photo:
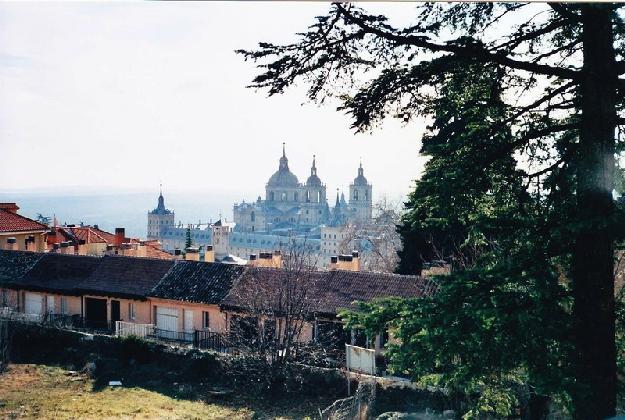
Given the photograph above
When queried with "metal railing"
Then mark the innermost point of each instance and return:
(125, 329)
(182, 336)
(209, 340)
(76, 322)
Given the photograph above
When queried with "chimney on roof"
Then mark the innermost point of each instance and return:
(266, 259)
(81, 248)
(12, 244)
(65, 248)
(345, 262)
(55, 247)
(120, 236)
(96, 227)
(192, 254)
(10, 207)
(30, 243)
(178, 254)
(209, 254)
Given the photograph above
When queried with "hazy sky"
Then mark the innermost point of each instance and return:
(123, 96)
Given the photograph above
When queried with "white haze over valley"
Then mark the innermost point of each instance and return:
(102, 102)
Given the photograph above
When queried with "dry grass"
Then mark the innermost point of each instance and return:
(36, 391)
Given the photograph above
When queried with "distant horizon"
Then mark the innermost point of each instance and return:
(111, 208)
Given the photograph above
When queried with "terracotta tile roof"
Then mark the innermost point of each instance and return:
(87, 234)
(198, 282)
(107, 236)
(15, 264)
(327, 291)
(339, 289)
(60, 273)
(128, 277)
(153, 252)
(231, 286)
(13, 222)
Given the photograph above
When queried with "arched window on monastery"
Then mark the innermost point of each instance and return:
(253, 216)
(356, 195)
(308, 196)
(294, 196)
(283, 196)
(272, 196)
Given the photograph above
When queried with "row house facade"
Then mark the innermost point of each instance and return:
(181, 297)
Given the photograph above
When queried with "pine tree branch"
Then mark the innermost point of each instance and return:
(470, 51)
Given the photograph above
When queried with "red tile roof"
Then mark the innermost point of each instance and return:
(153, 252)
(87, 234)
(326, 292)
(107, 236)
(13, 222)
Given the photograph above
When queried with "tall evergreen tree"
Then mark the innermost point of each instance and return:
(493, 306)
(188, 242)
(560, 77)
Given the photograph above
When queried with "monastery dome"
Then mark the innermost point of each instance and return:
(283, 177)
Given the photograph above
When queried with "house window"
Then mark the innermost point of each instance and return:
(64, 308)
(132, 311)
(205, 319)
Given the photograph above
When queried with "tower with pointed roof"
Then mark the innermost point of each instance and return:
(314, 205)
(360, 200)
(160, 219)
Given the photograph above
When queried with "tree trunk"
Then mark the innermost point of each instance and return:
(593, 254)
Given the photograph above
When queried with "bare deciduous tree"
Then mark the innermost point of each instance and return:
(275, 306)
(377, 242)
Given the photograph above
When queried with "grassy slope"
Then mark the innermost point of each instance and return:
(36, 391)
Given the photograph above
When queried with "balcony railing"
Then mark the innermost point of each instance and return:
(181, 336)
(125, 329)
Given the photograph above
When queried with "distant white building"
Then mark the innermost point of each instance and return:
(290, 213)
(292, 206)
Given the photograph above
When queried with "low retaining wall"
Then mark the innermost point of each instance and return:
(113, 355)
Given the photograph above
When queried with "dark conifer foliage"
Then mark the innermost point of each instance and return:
(525, 100)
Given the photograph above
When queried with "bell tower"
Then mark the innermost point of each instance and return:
(360, 198)
(160, 219)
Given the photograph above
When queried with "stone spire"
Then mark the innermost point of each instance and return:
(161, 200)
(160, 206)
(313, 180)
(360, 179)
(284, 162)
